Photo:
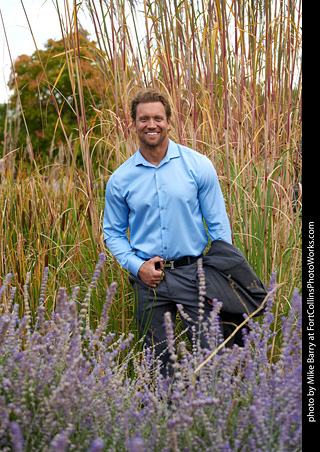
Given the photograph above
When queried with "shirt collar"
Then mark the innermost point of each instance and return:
(172, 152)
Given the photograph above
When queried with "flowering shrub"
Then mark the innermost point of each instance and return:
(65, 387)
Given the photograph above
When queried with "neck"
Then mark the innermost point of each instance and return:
(154, 155)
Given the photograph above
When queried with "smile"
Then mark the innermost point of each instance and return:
(152, 133)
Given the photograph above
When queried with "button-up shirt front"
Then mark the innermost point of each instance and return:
(163, 207)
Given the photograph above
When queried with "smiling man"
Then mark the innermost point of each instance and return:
(163, 194)
(152, 126)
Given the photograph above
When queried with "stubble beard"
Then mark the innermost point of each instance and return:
(157, 143)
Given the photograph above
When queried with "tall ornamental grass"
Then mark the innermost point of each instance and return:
(233, 76)
(232, 72)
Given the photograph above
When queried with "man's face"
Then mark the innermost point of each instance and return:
(151, 124)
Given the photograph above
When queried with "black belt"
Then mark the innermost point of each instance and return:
(180, 262)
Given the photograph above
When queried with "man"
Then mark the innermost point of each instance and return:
(162, 194)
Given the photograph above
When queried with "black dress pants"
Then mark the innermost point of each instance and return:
(177, 287)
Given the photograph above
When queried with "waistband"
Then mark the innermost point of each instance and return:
(181, 261)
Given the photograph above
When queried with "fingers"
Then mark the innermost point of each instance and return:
(155, 259)
(148, 272)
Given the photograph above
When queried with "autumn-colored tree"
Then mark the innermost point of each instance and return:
(48, 86)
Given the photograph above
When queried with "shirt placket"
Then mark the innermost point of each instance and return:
(160, 186)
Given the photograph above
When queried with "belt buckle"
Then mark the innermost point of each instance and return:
(171, 265)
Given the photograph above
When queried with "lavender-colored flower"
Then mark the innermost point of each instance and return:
(5, 284)
(97, 445)
(92, 285)
(4, 325)
(59, 443)
(86, 386)
(202, 280)
(135, 445)
(98, 268)
(44, 285)
(169, 326)
(16, 437)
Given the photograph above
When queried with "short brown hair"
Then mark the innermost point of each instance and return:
(150, 95)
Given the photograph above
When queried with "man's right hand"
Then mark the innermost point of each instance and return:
(149, 274)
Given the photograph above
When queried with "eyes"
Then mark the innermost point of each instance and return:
(157, 119)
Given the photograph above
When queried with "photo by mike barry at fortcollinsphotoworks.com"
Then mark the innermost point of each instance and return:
(310, 334)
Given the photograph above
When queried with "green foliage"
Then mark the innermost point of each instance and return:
(47, 83)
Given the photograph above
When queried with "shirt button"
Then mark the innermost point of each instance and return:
(162, 207)
(163, 227)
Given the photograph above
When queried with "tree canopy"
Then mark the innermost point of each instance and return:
(48, 86)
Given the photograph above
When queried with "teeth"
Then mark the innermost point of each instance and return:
(152, 133)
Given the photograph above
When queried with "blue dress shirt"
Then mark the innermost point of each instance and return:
(163, 207)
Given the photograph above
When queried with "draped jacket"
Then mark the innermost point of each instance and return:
(231, 280)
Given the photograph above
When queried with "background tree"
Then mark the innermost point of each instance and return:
(54, 67)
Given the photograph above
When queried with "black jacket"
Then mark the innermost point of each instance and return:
(231, 280)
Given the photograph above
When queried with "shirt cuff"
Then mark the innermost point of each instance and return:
(134, 264)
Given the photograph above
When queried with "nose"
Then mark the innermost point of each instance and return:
(151, 123)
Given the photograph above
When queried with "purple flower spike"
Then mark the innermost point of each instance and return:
(44, 284)
(6, 282)
(97, 445)
(59, 443)
(135, 445)
(65, 383)
(202, 281)
(16, 435)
